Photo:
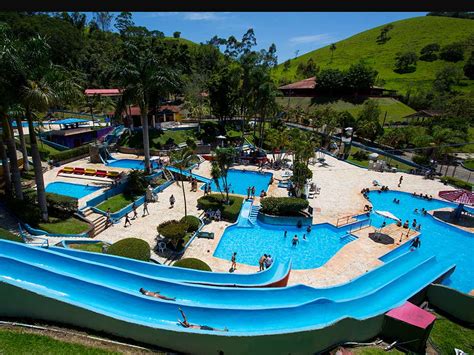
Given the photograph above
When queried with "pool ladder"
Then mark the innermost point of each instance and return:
(253, 214)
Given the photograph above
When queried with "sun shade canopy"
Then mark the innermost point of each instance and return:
(458, 196)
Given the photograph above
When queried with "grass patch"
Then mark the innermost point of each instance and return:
(365, 162)
(116, 203)
(7, 235)
(92, 247)
(20, 342)
(373, 350)
(407, 35)
(457, 182)
(469, 164)
(71, 225)
(447, 335)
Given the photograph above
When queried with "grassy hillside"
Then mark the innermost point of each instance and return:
(407, 35)
(395, 109)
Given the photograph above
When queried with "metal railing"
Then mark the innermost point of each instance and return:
(360, 225)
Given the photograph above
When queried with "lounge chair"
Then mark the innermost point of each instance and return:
(113, 174)
(79, 171)
(90, 171)
(101, 173)
(67, 169)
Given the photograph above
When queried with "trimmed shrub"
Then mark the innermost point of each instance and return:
(192, 222)
(7, 235)
(62, 205)
(229, 212)
(283, 206)
(132, 248)
(192, 263)
(457, 182)
(70, 153)
(173, 230)
(360, 155)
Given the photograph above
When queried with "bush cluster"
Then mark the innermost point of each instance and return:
(192, 222)
(457, 182)
(173, 229)
(70, 153)
(192, 263)
(229, 212)
(283, 206)
(133, 248)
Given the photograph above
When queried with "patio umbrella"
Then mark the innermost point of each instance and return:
(387, 214)
(222, 138)
(462, 197)
(373, 156)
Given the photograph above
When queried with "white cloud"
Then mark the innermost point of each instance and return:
(161, 14)
(322, 38)
(201, 16)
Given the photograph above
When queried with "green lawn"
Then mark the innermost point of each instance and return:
(395, 109)
(5, 234)
(407, 35)
(92, 247)
(365, 162)
(71, 225)
(469, 164)
(20, 342)
(116, 203)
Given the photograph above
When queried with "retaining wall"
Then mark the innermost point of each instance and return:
(455, 303)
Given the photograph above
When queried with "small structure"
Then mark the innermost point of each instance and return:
(164, 113)
(422, 115)
(74, 132)
(409, 326)
(462, 197)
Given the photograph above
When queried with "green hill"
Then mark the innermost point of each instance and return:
(407, 35)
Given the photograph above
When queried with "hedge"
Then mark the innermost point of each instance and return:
(133, 248)
(7, 235)
(59, 205)
(457, 182)
(70, 153)
(173, 230)
(192, 222)
(229, 212)
(283, 206)
(192, 263)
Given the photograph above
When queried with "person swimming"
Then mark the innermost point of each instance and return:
(186, 324)
(295, 240)
(156, 295)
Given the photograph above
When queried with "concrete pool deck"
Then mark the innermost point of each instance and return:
(340, 196)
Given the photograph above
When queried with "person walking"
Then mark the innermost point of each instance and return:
(145, 209)
(400, 181)
(127, 220)
(233, 261)
(253, 191)
(172, 201)
(108, 220)
(261, 262)
(248, 192)
(134, 208)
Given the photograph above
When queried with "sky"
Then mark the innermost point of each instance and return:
(292, 32)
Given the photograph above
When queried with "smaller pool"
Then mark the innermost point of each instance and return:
(72, 190)
(240, 180)
(130, 164)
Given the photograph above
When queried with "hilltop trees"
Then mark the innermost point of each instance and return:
(429, 53)
(383, 37)
(453, 52)
(405, 62)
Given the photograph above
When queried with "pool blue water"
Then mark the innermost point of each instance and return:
(240, 180)
(130, 164)
(251, 243)
(449, 244)
(72, 190)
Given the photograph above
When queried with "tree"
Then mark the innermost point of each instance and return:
(286, 65)
(301, 173)
(223, 160)
(383, 37)
(308, 69)
(453, 52)
(224, 89)
(104, 20)
(429, 53)
(17, 115)
(330, 82)
(182, 160)
(332, 48)
(446, 78)
(124, 22)
(360, 77)
(469, 67)
(176, 34)
(405, 62)
(368, 124)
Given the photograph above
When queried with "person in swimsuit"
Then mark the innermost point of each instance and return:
(156, 295)
(233, 260)
(295, 240)
(186, 324)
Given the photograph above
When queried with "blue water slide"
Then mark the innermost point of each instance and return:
(206, 296)
(277, 273)
(154, 313)
(187, 174)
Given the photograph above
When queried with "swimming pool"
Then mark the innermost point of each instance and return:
(130, 164)
(251, 243)
(449, 244)
(240, 180)
(72, 190)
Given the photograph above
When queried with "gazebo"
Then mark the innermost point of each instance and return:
(462, 197)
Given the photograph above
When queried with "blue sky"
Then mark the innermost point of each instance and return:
(291, 31)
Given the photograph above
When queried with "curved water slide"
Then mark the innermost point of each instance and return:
(275, 276)
(212, 297)
(188, 174)
(55, 296)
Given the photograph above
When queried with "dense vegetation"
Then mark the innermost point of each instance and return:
(7, 235)
(229, 212)
(283, 206)
(133, 248)
(192, 263)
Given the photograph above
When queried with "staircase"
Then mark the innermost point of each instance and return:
(348, 238)
(254, 213)
(168, 175)
(97, 220)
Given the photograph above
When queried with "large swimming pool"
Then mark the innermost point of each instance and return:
(449, 244)
(251, 243)
(130, 164)
(72, 190)
(240, 180)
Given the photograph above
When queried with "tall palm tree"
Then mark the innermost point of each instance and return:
(38, 96)
(11, 151)
(6, 169)
(144, 79)
(16, 113)
(182, 159)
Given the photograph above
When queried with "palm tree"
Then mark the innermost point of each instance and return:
(216, 175)
(38, 96)
(182, 159)
(11, 151)
(6, 169)
(144, 79)
(17, 114)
